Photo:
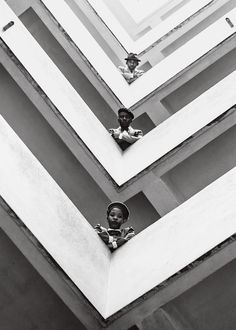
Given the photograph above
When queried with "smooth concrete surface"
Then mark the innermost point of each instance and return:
(104, 90)
(65, 169)
(47, 268)
(51, 151)
(196, 25)
(19, 6)
(166, 200)
(26, 300)
(212, 210)
(104, 148)
(71, 241)
(184, 280)
(197, 307)
(200, 83)
(193, 174)
(170, 133)
(69, 69)
(151, 80)
(74, 75)
(98, 30)
(154, 34)
(61, 92)
(208, 305)
(53, 219)
(173, 242)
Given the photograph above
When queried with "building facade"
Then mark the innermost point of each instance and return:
(60, 92)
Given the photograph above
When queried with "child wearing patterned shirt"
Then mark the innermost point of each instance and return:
(115, 236)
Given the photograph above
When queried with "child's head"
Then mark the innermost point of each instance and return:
(117, 214)
(132, 61)
(125, 117)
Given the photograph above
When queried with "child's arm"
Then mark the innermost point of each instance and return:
(102, 232)
(132, 138)
(114, 133)
(129, 233)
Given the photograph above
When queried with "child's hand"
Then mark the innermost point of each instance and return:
(113, 133)
(104, 236)
(138, 133)
(127, 75)
(120, 241)
(129, 235)
(98, 228)
(125, 136)
(132, 79)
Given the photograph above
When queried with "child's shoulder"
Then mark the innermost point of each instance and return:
(99, 228)
(127, 230)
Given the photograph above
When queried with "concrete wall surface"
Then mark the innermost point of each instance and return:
(158, 75)
(174, 241)
(104, 148)
(26, 301)
(72, 242)
(53, 219)
(59, 92)
(208, 305)
(153, 35)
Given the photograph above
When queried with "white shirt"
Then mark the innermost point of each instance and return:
(128, 75)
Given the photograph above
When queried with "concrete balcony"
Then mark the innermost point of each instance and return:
(60, 169)
(118, 29)
(168, 69)
(147, 261)
(124, 176)
(193, 116)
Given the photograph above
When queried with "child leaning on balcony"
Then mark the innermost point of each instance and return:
(114, 236)
(130, 71)
(125, 135)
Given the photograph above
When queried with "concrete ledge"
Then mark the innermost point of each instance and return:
(175, 241)
(46, 266)
(150, 258)
(153, 35)
(169, 67)
(167, 135)
(173, 287)
(52, 218)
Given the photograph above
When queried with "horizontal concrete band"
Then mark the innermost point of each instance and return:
(150, 37)
(148, 259)
(152, 147)
(155, 77)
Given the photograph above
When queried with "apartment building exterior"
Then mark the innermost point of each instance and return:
(60, 92)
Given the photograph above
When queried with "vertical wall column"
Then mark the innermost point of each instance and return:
(158, 113)
(160, 196)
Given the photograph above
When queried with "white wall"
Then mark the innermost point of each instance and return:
(158, 252)
(168, 134)
(52, 218)
(173, 242)
(154, 78)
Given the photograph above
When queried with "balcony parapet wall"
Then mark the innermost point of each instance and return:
(157, 143)
(154, 255)
(159, 75)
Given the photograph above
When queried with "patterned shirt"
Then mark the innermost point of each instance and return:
(114, 238)
(128, 75)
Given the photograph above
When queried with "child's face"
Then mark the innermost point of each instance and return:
(132, 64)
(115, 218)
(124, 119)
